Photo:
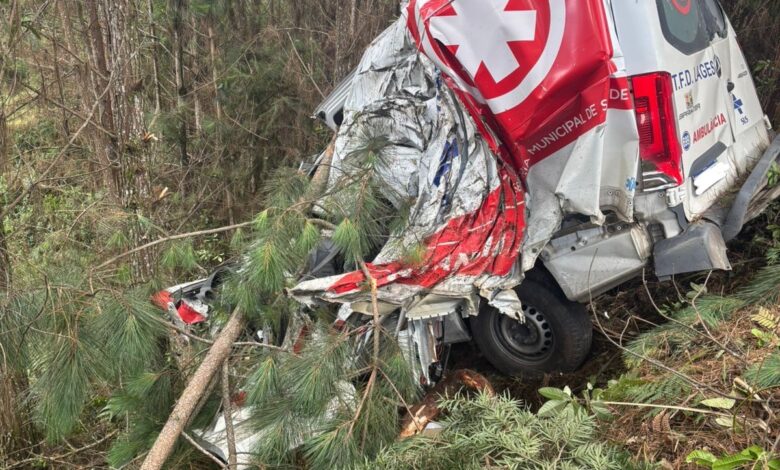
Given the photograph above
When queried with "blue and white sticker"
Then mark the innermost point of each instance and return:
(631, 184)
(738, 104)
(686, 140)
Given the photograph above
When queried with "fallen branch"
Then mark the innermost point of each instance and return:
(428, 409)
(376, 343)
(174, 237)
(227, 411)
(195, 389)
(666, 407)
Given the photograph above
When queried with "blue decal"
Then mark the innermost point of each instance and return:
(686, 141)
(445, 163)
(631, 184)
(738, 104)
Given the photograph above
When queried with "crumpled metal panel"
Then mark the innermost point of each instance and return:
(468, 210)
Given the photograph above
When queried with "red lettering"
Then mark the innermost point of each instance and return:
(707, 129)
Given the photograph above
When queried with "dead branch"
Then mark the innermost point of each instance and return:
(171, 238)
(195, 389)
(428, 409)
(227, 411)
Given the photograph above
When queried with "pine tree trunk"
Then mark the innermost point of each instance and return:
(105, 138)
(5, 261)
(214, 73)
(352, 19)
(179, 7)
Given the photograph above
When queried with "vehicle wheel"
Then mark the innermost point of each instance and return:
(555, 337)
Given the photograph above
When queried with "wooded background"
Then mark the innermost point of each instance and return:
(128, 121)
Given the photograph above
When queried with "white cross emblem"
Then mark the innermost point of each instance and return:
(481, 30)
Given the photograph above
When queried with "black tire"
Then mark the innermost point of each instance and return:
(555, 337)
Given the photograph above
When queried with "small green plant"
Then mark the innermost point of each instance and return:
(562, 399)
(752, 457)
(773, 175)
(767, 323)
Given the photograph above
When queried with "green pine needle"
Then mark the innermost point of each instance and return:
(266, 269)
(765, 374)
(307, 240)
(349, 240)
(180, 255)
(264, 381)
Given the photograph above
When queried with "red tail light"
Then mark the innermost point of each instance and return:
(655, 120)
(189, 315)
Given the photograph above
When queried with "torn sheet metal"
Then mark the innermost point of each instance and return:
(486, 106)
(468, 208)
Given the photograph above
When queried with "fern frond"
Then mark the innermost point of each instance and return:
(667, 388)
(766, 319)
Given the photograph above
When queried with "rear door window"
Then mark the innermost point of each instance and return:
(690, 25)
(715, 18)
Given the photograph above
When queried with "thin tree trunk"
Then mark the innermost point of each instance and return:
(179, 7)
(5, 261)
(60, 89)
(191, 395)
(155, 65)
(214, 75)
(15, 432)
(352, 19)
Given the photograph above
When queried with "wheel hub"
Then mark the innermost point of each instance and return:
(532, 339)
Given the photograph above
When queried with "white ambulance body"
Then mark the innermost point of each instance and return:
(718, 120)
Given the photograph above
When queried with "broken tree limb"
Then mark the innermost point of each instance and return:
(191, 395)
(227, 410)
(171, 238)
(428, 409)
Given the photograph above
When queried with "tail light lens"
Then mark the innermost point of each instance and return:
(656, 123)
(187, 313)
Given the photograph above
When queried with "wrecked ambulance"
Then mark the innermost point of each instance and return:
(546, 151)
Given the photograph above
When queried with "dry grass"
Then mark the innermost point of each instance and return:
(669, 436)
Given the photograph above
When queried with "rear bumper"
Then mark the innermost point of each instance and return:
(702, 246)
(755, 194)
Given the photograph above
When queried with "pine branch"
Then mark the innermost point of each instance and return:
(375, 359)
(171, 238)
